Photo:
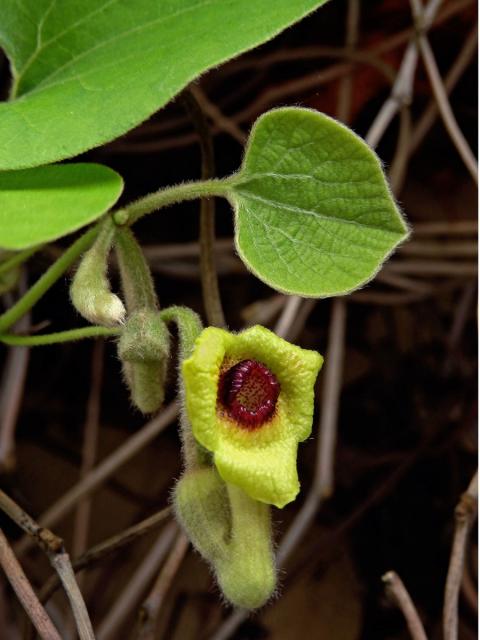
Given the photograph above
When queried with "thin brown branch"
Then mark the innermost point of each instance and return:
(454, 74)
(345, 88)
(208, 271)
(448, 228)
(433, 267)
(137, 584)
(402, 90)
(11, 391)
(223, 122)
(465, 515)
(289, 312)
(151, 607)
(25, 592)
(52, 545)
(398, 169)
(399, 594)
(89, 450)
(107, 547)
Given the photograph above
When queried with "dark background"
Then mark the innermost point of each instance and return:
(407, 423)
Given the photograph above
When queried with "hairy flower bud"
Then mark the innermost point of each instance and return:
(90, 289)
(144, 349)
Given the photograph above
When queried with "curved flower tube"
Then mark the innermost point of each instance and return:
(249, 398)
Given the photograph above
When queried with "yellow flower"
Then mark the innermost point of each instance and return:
(249, 398)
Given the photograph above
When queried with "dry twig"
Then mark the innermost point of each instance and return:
(465, 515)
(151, 607)
(137, 584)
(59, 559)
(399, 594)
(25, 592)
(105, 548)
(439, 91)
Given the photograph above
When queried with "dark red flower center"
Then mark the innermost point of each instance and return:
(249, 392)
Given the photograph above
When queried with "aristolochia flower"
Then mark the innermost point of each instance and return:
(249, 399)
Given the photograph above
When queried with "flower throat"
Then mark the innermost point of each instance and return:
(249, 392)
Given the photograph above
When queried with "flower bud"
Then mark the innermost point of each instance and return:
(90, 289)
(144, 348)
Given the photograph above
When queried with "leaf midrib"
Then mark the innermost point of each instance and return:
(289, 207)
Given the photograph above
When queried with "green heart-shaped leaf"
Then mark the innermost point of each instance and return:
(87, 72)
(42, 204)
(314, 214)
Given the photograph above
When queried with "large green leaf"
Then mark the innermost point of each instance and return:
(42, 204)
(314, 214)
(86, 72)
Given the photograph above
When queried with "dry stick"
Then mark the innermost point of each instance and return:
(393, 299)
(89, 449)
(440, 93)
(403, 86)
(460, 318)
(104, 470)
(11, 392)
(399, 594)
(322, 486)
(398, 169)
(465, 515)
(151, 607)
(433, 267)
(287, 316)
(105, 548)
(223, 122)
(461, 249)
(25, 592)
(136, 584)
(402, 282)
(454, 74)
(345, 88)
(52, 545)
(208, 271)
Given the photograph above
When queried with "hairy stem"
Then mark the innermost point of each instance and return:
(165, 197)
(58, 337)
(47, 280)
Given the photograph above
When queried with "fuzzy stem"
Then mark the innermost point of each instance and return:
(189, 328)
(165, 197)
(47, 280)
(58, 337)
(137, 282)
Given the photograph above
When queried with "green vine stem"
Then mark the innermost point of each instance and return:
(47, 280)
(165, 197)
(137, 281)
(56, 338)
(189, 328)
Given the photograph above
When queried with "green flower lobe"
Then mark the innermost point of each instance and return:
(261, 461)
